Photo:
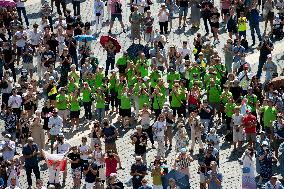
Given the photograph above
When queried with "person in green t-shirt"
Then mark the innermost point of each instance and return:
(142, 65)
(176, 101)
(154, 77)
(100, 104)
(269, 115)
(136, 95)
(214, 94)
(229, 111)
(161, 85)
(62, 104)
(158, 100)
(74, 73)
(171, 77)
(74, 109)
(122, 63)
(87, 100)
(125, 108)
(143, 98)
(72, 86)
(99, 75)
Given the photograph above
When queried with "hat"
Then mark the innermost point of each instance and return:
(269, 56)
(148, 11)
(183, 150)
(112, 71)
(60, 135)
(166, 104)
(246, 66)
(138, 157)
(275, 91)
(7, 136)
(163, 4)
(100, 67)
(51, 78)
(264, 143)
(200, 54)
(146, 78)
(212, 130)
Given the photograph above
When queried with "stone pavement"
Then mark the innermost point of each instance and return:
(230, 166)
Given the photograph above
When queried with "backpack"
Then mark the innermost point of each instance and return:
(117, 7)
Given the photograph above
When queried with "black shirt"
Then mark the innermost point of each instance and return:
(48, 55)
(72, 48)
(53, 44)
(236, 92)
(183, 3)
(8, 54)
(204, 114)
(139, 148)
(206, 7)
(90, 177)
(74, 157)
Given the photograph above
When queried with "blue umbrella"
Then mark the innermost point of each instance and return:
(134, 50)
(181, 179)
(85, 38)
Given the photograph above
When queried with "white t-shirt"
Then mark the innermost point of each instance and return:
(98, 156)
(84, 149)
(21, 42)
(34, 37)
(15, 101)
(163, 16)
(237, 120)
(20, 3)
(63, 148)
(159, 128)
(245, 80)
(184, 51)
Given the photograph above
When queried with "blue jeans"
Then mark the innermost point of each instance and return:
(23, 10)
(254, 28)
(262, 60)
(100, 112)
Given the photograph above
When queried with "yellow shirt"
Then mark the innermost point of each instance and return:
(157, 179)
(242, 23)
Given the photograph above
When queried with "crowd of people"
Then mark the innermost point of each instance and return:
(169, 97)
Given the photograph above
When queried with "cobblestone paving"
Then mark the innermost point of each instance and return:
(230, 166)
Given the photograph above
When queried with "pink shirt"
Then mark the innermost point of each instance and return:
(112, 5)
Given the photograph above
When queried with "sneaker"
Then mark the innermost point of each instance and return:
(109, 31)
(124, 31)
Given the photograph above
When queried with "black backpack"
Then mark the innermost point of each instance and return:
(117, 7)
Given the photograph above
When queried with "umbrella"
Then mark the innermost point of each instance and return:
(134, 50)
(85, 38)
(278, 82)
(7, 3)
(107, 40)
(181, 179)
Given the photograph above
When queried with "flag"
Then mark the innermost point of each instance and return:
(52, 91)
(56, 157)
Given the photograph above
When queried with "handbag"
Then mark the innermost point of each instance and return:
(246, 169)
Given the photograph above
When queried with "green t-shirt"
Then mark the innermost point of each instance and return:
(122, 61)
(229, 109)
(158, 101)
(100, 100)
(75, 75)
(131, 78)
(171, 77)
(72, 87)
(61, 102)
(154, 78)
(91, 82)
(119, 90)
(99, 79)
(74, 103)
(125, 102)
(192, 71)
(112, 84)
(143, 98)
(219, 68)
(252, 100)
(269, 115)
(137, 88)
(176, 99)
(226, 96)
(86, 95)
(191, 82)
(214, 93)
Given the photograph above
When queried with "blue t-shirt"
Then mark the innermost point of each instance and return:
(240, 50)
(109, 132)
(90, 177)
(213, 184)
(27, 150)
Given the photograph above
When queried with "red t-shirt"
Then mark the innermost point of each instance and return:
(111, 166)
(249, 120)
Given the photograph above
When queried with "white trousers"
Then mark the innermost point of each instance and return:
(89, 185)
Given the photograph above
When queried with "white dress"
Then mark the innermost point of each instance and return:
(248, 176)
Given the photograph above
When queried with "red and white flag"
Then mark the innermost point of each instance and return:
(56, 157)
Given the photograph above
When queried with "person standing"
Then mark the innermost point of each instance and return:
(159, 129)
(15, 102)
(183, 10)
(37, 131)
(135, 20)
(249, 163)
(11, 121)
(55, 123)
(139, 140)
(138, 172)
(254, 24)
(182, 162)
(206, 7)
(214, 178)
(270, 68)
(30, 153)
(116, 12)
(163, 17)
(99, 14)
(21, 9)
(148, 23)
(76, 7)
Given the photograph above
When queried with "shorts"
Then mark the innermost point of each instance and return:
(74, 114)
(242, 33)
(202, 178)
(76, 173)
(169, 132)
(238, 136)
(267, 130)
(118, 16)
(232, 29)
(183, 11)
(251, 137)
(28, 66)
(226, 11)
(63, 114)
(111, 146)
